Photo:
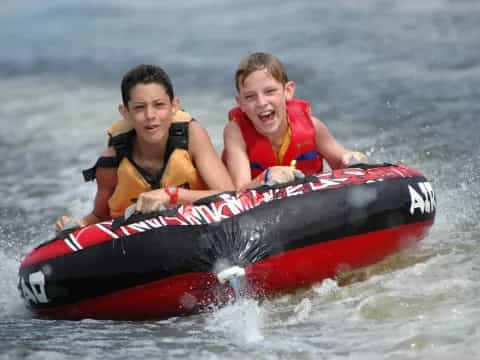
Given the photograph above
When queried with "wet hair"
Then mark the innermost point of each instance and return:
(145, 74)
(260, 61)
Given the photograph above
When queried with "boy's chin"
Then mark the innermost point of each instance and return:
(267, 130)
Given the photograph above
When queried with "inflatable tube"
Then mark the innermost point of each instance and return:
(279, 238)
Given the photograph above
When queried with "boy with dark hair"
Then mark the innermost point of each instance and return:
(157, 153)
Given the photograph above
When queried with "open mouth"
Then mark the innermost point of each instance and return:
(266, 116)
(151, 128)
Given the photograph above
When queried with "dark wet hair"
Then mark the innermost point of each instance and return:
(260, 61)
(145, 74)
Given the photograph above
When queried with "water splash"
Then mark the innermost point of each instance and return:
(11, 303)
(240, 322)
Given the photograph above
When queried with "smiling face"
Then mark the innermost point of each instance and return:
(263, 99)
(150, 111)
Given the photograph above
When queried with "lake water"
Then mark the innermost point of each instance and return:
(397, 80)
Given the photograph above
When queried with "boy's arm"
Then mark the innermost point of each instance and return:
(334, 153)
(106, 182)
(211, 168)
(236, 158)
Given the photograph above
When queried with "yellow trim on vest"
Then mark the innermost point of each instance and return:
(284, 147)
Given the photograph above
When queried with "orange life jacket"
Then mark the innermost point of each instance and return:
(302, 147)
(178, 170)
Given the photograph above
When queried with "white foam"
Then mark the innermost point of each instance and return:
(240, 322)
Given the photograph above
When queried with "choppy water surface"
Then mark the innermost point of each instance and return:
(398, 80)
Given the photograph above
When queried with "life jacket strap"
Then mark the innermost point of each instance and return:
(177, 139)
(103, 161)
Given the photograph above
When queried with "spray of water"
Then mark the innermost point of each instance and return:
(241, 322)
(11, 305)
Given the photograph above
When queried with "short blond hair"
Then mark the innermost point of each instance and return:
(260, 61)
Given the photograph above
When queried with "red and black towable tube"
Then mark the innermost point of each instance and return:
(284, 237)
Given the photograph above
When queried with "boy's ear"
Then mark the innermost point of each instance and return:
(237, 99)
(290, 90)
(175, 105)
(123, 110)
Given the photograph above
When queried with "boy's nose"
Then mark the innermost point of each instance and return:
(261, 101)
(149, 112)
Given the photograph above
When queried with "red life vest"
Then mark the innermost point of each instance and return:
(302, 146)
